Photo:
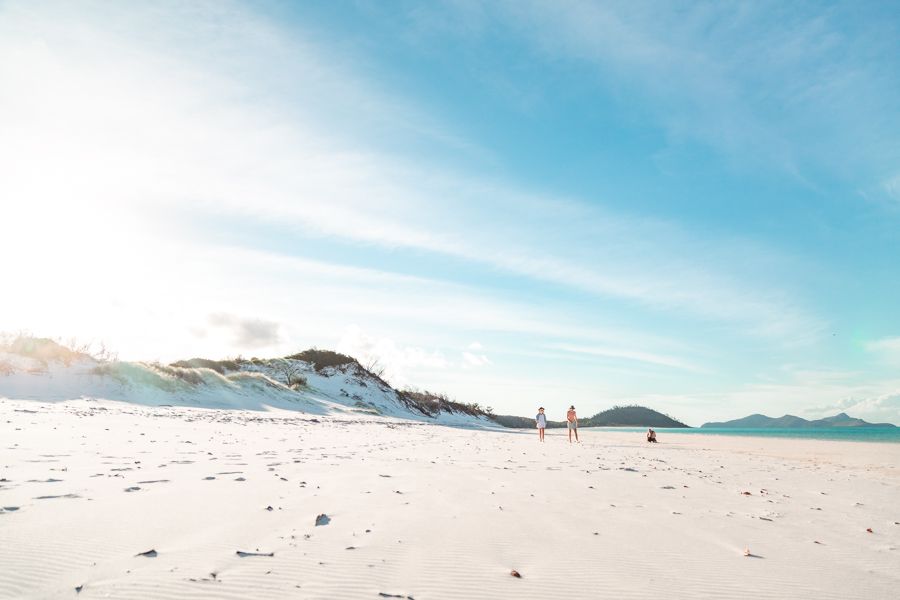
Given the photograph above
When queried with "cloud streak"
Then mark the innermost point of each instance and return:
(247, 333)
(629, 355)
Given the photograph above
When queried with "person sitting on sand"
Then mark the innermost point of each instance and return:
(572, 423)
(651, 435)
(541, 421)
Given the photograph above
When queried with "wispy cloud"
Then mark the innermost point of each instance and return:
(629, 355)
(878, 408)
(396, 360)
(247, 333)
(888, 349)
(473, 360)
(791, 85)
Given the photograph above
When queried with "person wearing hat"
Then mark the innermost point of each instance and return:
(572, 423)
(541, 422)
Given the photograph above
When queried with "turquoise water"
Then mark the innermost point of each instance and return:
(853, 434)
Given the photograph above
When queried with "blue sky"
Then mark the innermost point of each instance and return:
(690, 206)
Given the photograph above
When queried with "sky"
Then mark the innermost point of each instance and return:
(689, 206)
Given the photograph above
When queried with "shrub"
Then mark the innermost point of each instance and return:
(188, 375)
(290, 372)
(432, 404)
(321, 359)
(219, 366)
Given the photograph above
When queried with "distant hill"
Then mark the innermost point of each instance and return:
(792, 422)
(516, 422)
(630, 416)
(618, 416)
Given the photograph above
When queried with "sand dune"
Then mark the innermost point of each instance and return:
(109, 500)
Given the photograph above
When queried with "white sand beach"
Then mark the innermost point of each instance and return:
(418, 510)
(285, 283)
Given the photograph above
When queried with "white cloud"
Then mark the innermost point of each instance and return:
(630, 355)
(398, 361)
(247, 333)
(892, 187)
(471, 360)
(888, 349)
(881, 408)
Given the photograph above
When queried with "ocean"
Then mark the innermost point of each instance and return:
(851, 434)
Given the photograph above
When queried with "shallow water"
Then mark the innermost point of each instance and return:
(854, 434)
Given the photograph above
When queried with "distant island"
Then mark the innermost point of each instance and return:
(792, 422)
(617, 416)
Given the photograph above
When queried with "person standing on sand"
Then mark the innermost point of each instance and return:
(541, 421)
(572, 423)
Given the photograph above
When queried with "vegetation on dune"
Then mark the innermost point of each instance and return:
(45, 350)
(432, 404)
(289, 371)
(219, 366)
(321, 359)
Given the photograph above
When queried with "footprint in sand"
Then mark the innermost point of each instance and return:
(60, 496)
(243, 554)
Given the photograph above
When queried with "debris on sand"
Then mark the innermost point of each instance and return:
(149, 553)
(322, 519)
(243, 554)
(515, 574)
